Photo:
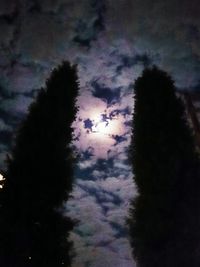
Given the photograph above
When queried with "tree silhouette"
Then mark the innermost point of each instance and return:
(39, 178)
(165, 216)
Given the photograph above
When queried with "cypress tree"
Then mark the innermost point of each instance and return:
(164, 218)
(39, 178)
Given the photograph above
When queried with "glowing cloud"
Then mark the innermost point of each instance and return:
(97, 126)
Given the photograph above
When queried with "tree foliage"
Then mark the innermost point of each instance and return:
(40, 177)
(165, 216)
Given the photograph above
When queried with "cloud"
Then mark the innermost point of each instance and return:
(42, 38)
(4, 127)
(24, 78)
(110, 96)
(131, 61)
(86, 30)
(121, 43)
(85, 164)
(160, 29)
(6, 7)
(106, 201)
(119, 138)
(18, 104)
(100, 202)
(88, 124)
(100, 256)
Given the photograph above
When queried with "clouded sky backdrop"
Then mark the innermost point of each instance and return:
(111, 41)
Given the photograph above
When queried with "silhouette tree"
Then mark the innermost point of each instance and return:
(165, 216)
(39, 178)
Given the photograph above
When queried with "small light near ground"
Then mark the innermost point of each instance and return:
(2, 179)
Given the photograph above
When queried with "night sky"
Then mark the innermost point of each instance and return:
(111, 41)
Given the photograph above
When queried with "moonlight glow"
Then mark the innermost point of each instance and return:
(103, 126)
(98, 127)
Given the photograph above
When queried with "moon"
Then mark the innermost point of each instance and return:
(103, 125)
(100, 133)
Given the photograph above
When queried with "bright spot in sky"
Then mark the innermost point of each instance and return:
(102, 131)
(103, 125)
(99, 128)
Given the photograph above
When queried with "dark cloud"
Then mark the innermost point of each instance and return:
(110, 96)
(100, 7)
(86, 30)
(84, 174)
(87, 154)
(119, 138)
(104, 164)
(5, 116)
(125, 111)
(88, 124)
(34, 7)
(128, 123)
(193, 33)
(121, 231)
(105, 118)
(9, 18)
(196, 87)
(100, 168)
(130, 61)
(7, 7)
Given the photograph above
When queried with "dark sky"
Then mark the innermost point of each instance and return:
(112, 41)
